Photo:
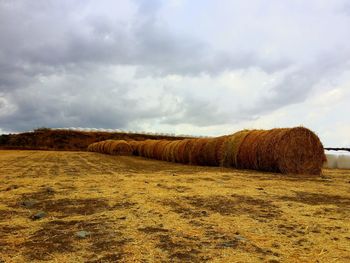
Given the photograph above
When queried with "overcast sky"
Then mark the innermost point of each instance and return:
(200, 67)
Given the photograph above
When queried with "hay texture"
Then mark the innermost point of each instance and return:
(286, 150)
(114, 147)
(289, 151)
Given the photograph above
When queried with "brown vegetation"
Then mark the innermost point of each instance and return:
(69, 140)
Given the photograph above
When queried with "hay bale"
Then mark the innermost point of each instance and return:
(181, 150)
(196, 156)
(297, 151)
(148, 147)
(120, 147)
(230, 147)
(134, 145)
(219, 146)
(203, 155)
(247, 156)
(173, 151)
(159, 149)
(164, 150)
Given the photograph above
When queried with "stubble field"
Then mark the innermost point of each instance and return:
(89, 207)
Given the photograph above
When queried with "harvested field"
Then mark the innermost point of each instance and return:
(105, 208)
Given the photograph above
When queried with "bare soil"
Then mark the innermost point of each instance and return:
(138, 210)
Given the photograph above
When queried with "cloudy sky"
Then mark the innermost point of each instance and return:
(200, 67)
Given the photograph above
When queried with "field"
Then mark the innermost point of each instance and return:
(102, 208)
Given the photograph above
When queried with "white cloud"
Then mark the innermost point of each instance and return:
(185, 67)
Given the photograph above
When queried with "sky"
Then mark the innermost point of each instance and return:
(199, 67)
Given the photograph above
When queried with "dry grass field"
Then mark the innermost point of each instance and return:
(102, 208)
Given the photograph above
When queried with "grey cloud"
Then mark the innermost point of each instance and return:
(56, 38)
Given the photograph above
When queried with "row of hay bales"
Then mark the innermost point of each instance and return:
(114, 147)
(286, 150)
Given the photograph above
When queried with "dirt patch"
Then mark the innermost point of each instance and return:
(184, 210)
(59, 236)
(236, 204)
(109, 258)
(5, 215)
(44, 193)
(123, 205)
(179, 189)
(152, 229)
(179, 250)
(65, 206)
(318, 199)
(53, 237)
(7, 247)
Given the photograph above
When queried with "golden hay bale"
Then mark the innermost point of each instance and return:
(268, 142)
(159, 149)
(187, 150)
(203, 153)
(150, 148)
(108, 146)
(230, 148)
(176, 156)
(212, 150)
(219, 146)
(247, 157)
(164, 149)
(209, 154)
(120, 147)
(297, 151)
(156, 149)
(196, 151)
(181, 150)
(167, 151)
(134, 145)
(90, 148)
(173, 151)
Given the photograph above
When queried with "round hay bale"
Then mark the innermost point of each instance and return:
(164, 150)
(173, 151)
(176, 156)
(196, 151)
(187, 150)
(148, 148)
(230, 148)
(120, 147)
(266, 160)
(181, 150)
(219, 146)
(300, 151)
(109, 144)
(290, 151)
(203, 153)
(168, 151)
(134, 145)
(247, 157)
(209, 153)
(159, 149)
